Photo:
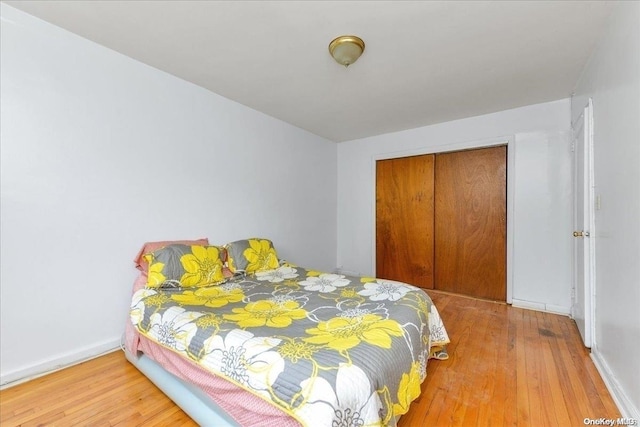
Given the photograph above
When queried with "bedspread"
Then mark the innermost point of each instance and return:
(324, 348)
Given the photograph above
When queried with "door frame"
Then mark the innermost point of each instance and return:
(509, 141)
(590, 242)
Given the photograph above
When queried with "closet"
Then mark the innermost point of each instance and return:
(441, 221)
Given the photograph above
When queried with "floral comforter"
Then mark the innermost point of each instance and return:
(327, 349)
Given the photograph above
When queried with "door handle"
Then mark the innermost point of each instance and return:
(580, 234)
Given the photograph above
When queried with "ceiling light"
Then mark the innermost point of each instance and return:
(346, 49)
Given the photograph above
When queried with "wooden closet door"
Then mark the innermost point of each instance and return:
(470, 222)
(404, 220)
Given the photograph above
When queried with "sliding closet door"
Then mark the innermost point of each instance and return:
(470, 222)
(404, 220)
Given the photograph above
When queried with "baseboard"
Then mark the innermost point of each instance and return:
(622, 401)
(56, 363)
(340, 270)
(538, 306)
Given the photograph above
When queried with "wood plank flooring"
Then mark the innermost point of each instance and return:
(507, 367)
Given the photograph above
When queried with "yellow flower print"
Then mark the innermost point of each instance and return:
(270, 313)
(156, 300)
(313, 273)
(295, 350)
(213, 296)
(343, 333)
(423, 306)
(209, 321)
(348, 293)
(408, 389)
(202, 267)
(156, 278)
(261, 256)
(367, 279)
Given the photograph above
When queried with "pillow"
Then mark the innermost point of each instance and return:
(185, 266)
(143, 265)
(251, 255)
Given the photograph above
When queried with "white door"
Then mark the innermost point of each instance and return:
(583, 286)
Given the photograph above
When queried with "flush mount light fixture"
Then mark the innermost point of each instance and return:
(346, 49)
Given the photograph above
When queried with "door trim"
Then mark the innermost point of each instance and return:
(509, 141)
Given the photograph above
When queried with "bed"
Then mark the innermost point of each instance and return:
(273, 343)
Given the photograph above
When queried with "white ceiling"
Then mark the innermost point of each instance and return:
(424, 62)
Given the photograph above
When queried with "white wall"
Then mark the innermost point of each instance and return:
(101, 153)
(541, 178)
(612, 79)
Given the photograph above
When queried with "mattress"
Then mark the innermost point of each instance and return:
(295, 346)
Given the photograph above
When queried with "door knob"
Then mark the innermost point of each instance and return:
(580, 234)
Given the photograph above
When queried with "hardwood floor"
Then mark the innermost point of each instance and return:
(107, 391)
(507, 366)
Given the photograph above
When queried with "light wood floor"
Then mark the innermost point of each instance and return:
(507, 366)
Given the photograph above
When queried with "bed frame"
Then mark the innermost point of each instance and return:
(187, 396)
